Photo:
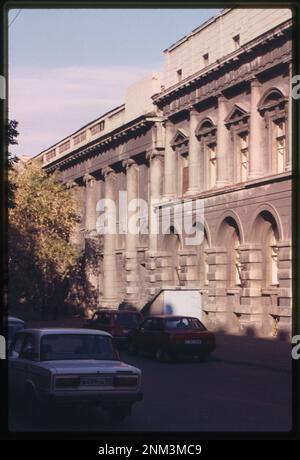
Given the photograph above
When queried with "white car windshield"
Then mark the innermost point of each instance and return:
(76, 347)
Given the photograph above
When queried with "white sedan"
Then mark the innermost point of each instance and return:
(71, 367)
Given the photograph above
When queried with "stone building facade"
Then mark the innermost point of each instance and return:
(218, 130)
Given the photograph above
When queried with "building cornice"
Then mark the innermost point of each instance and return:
(193, 80)
(288, 175)
(109, 140)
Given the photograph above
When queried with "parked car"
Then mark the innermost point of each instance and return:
(118, 323)
(168, 337)
(12, 325)
(71, 367)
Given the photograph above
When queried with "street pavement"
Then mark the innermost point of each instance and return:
(245, 386)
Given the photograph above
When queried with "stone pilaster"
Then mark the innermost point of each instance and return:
(194, 155)
(170, 164)
(223, 145)
(189, 268)
(255, 133)
(110, 288)
(131, 242)
(285, 278)
(289, 133)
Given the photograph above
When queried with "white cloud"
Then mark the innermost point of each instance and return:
(49, 104)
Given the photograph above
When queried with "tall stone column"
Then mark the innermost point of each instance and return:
(155, 158)
(255, 138)
(110, 288)
(156, 173)
(170, 165)
(223, 146)
(194, 155)
(289, 134)
(131, 265)
(90, 205)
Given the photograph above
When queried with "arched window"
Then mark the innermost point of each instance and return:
(172, 245)
(180, 145)
(229, 237)
(274, 108)
(206, 133)
(238, 123)
(265, 232)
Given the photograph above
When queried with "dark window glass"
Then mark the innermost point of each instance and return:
(183, 323)
(17, 346)
(76, 347)
(127, 320)
(147, 324)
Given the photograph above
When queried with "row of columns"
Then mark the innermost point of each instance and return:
(92, 195)
(223, 147)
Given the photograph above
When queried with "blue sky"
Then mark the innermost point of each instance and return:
(67, 67)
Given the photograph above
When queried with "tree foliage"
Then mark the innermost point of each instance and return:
(41, 224)
(11, 139)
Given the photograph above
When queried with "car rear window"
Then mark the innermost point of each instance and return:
(127, 320)
(76, 347)
(184, 323)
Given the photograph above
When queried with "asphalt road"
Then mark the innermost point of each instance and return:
(218, 395)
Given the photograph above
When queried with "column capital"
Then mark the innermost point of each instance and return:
(88, 178)
(128, 163)
(71, 184)
(221, 97)
(168, 123)
(254, 82)
(107, 171)
(154, 153)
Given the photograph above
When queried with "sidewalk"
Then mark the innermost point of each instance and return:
(268, 353)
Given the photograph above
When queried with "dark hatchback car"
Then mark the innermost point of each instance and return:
(118, 323)
(169, 337)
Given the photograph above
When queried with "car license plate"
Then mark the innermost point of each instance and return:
(96, 381)
(193, 342)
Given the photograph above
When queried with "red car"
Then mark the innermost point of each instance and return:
(118, 323)
(167, 337)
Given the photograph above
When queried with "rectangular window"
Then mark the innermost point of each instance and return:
(98, 127)
(65, 146)
(50, 155)
(244, 158)
(236, 41)
(280, 145)
(179, 74)
(212, 165)
(185, 179)
(79, 138)
(205, 59)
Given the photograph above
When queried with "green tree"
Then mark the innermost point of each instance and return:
(11, 139)
(41, 223)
